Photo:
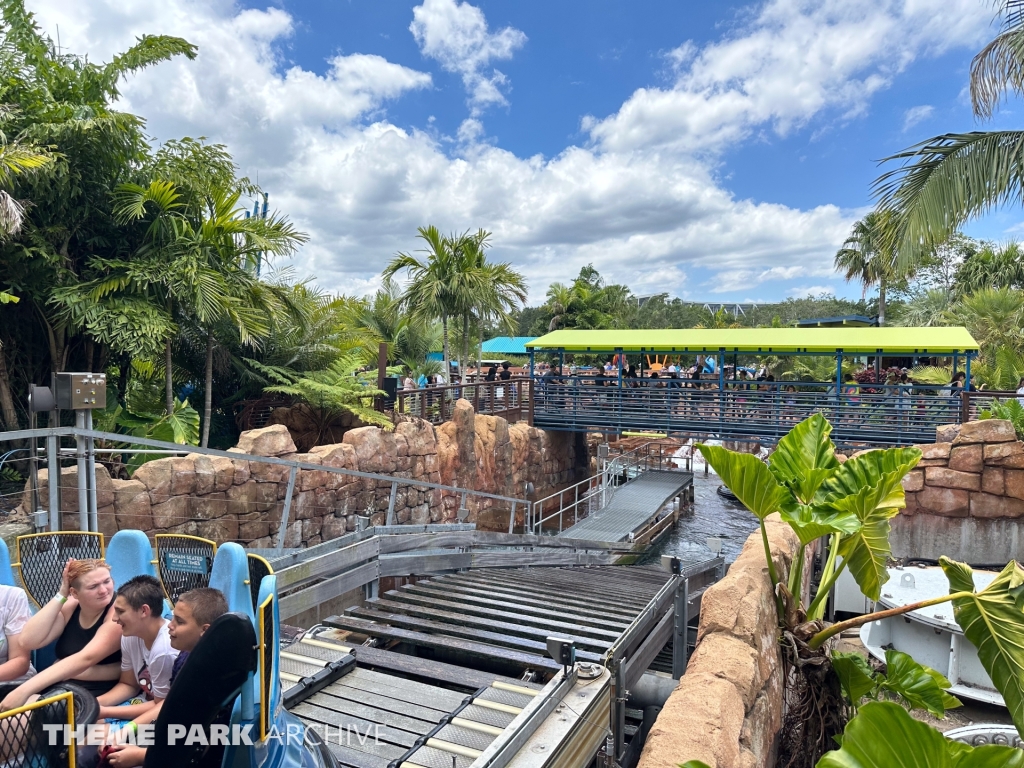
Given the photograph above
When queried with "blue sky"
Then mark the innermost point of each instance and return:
(713, 151)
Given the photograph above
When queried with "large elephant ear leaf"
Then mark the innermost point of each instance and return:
(869, 487)
(805, 457)
(856, 677)
(884, 735)
(993, 620)
(920, 686)
(811, 522)
(747, 477)
(868, 470)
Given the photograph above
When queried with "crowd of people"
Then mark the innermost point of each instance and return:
(747, 392)
(114, 643)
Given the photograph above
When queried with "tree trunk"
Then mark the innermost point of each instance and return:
(208, 394)
(444, 328)
(168, 382)
(881, 301)
(464, 362)
(10, 416)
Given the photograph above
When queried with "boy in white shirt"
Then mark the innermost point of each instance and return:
(147, 657)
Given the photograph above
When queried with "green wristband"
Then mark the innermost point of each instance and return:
(60, 597)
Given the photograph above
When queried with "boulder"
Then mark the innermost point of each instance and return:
(132, 507)
(986, 431)
(209, 507)
(1014, 479)
(69, 489)
(221, 530)
(913, 481)
(967, 458)
(987, 505)
(1005, 454)
(171, 512)
(946, 433)
(993, 481)
(274, 440)
(932, 451)
(945, 502)
(941, 477)
(213, 473)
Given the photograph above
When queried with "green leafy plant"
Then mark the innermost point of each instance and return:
(851, 504)
(1010, 410)
(918, 686)
(338, 389)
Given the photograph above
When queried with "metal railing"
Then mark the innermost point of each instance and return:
(876, 414)
(586, 497)
(509, 399)
(290, 469)
(973, 403)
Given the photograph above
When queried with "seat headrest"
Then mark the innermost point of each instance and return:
(213, 676)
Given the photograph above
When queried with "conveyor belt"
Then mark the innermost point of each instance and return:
(501, 619)
(419, 724)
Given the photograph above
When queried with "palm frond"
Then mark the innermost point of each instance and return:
(947, 180)
(999, 66)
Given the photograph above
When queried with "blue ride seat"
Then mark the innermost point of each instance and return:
(230, 574)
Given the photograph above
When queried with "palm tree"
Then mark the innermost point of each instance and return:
(947, 180)
(994, 317)
(430, 293)
(866, 257)
(992, 267)
(927, 308)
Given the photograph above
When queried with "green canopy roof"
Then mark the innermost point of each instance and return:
(890, 340)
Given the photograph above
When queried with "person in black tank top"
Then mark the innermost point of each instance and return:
(78, 620)
(75, 637)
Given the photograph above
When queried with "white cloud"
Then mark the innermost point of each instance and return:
(810, 290)
(915, 115)
(642, 202)
(796, 59)
(455, 34)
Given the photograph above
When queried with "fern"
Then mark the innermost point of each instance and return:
(1011, 410)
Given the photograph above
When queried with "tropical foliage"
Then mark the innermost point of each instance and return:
(851, 503)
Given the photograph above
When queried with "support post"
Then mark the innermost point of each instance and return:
(90, 455)
(721, 393)
(531, 390)
(281, 534)
(681, 622)
(391, 505)
(512, 518)
(83, 488)
(53, 481)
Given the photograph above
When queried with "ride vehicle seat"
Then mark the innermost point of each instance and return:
(221, 664)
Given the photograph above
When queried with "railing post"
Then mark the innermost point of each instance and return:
(965, 406)
(512, 518)
(391, 505)
(530, 391)
(287, 508)
(476, 394)
(83, 488)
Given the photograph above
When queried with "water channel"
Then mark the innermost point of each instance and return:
(713, 517)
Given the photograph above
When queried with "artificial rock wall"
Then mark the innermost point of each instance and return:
(727, 709)
(227, 499)
(965, 499)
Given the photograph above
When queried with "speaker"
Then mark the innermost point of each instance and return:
(390, 391)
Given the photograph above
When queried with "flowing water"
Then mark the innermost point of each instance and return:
(713, 517)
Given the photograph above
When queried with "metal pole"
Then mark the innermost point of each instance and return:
(287, 509)
(721, 394)
(53, 482)
(90, 452)
(512, 518)
(33, 463)
(83, 488)
(681, 622)
(53, 463)
(391, 505)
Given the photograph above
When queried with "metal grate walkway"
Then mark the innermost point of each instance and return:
(633, 506)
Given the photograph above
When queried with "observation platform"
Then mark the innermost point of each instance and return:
(641, 395)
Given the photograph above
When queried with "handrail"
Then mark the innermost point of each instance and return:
(435, 404)
(294, 466)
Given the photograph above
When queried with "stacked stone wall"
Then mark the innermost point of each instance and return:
(727, 709)
(228, 499)
(965, 499)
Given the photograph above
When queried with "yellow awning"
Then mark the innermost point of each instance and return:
(890, 341)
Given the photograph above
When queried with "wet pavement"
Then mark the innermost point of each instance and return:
(713, 517)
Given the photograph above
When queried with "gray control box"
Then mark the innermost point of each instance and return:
(81, 391)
